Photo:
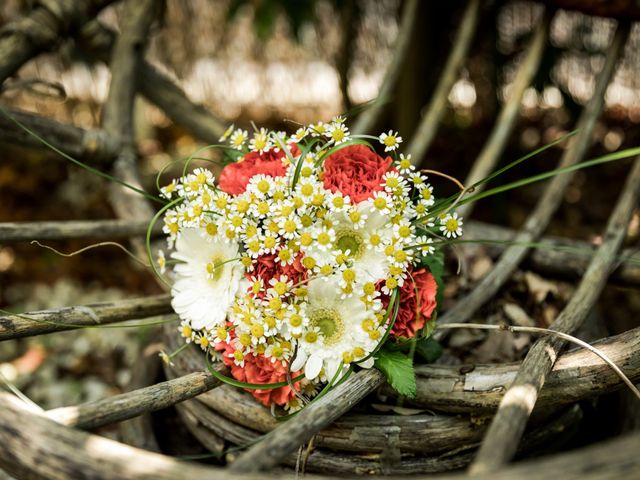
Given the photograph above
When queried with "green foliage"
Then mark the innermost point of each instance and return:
(398, 369)
(428, 348)
(435, 264)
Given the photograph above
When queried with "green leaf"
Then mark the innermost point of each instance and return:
(429, 349)
(435, 264)
(398, 369)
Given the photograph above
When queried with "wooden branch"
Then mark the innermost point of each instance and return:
(41, 30)
(117, 117)
(89, 144)
(577, 375)
(369, 117)
(138, 431)
(349, 14)
(428, 127)
(556, 256)
(38, 448)
(131, 404)
(551, 198)
(508, 425)
(74, 229)
(289, 436)
(70, 318)
(157, 87)
(492, 150)
(395, 450)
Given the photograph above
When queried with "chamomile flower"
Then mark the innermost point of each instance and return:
(405, 167)
(168, 190)
(162, 262)
(226, 133)
(337, 133)
(451, 225)
(390, 140)
(239, 138)
(300, 134)
(261, 142)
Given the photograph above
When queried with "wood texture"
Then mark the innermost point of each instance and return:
(157, 87)
(369, 117)
(289, 436)
(577, 375)
(493, 148)
(74, 229)
(69, 318)
(428, 127)
(131, 404)
(550, 200)
(41, 30)
(508, 425)
(39, 448)
(92, 145)
(555, 256)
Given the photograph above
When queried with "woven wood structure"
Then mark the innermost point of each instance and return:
(327, 437)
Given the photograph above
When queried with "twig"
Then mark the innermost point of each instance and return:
(289, 436)
(508, 425)
(547, 331)
(73, 229)
(551, 198)
(558, 256)
(157, 87)
(82, 144)
(496, 143)
(91, 247)
(428, 127)
(134, 403)
(70, 318)
(41, 30)
(369, 117)
(117, 117)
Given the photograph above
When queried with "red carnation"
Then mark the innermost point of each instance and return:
(266, 268)
(414, 310)
(260, 369)
(235, 177)
(355, 171)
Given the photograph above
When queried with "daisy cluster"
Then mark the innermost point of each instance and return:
(286, 265)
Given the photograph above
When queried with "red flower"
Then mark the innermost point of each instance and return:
(355, 171)
(235, 176)
(266, 267)
(414, 310)
(260, 369)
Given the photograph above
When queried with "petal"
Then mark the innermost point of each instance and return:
(312, 367)
(298, 362)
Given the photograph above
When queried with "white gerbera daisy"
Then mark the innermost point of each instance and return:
(340, 325)
(207, 279)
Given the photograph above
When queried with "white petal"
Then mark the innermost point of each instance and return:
(313, 367)
(368, 363)
(299, 361)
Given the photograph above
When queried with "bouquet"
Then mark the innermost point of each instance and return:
(310, 256)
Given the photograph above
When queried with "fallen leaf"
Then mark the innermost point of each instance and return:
(517, 315)
(539, 287)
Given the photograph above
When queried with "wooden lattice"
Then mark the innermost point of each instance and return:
(53, 444)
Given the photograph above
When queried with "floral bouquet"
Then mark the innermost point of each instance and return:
(312, 255)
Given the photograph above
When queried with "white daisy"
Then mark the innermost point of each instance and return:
(206, 280)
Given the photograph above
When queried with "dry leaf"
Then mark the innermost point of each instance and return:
(480, 267)
(539, 287)
(517, 315)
